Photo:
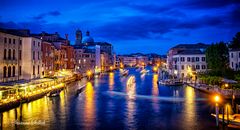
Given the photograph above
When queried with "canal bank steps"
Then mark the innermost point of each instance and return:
(15, 102)
(225, 93)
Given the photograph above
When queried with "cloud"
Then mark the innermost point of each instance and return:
(43, 15)
(207, 4)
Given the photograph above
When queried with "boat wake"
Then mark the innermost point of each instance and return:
(169, 99)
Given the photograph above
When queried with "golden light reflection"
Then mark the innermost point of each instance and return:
(155, 91)
(131, 87)
(131, 92)
(190, 106)
(89, 105)
(111, 80)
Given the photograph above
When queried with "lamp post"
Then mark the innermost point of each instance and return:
(217, 100)
(89, 73)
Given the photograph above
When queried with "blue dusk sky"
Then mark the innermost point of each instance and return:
(130, 25)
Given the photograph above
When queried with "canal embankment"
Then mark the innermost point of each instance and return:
(214, 89)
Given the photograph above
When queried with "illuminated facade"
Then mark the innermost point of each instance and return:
(11, 56)
(234, 59)
(186, 51)
(188, 63)
(32, 60)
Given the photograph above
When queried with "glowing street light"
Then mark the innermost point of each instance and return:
(111, 68)
(217, 99)
(89, 73)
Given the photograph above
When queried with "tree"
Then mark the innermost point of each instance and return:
(235, 43)
(217, 58)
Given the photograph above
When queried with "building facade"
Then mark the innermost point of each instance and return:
(11, 57)
(32, 59)
(188, 50)
(234, 59)
(188, 63)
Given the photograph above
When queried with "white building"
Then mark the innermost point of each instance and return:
(11, 57)
(234, 59)
(32, 59)
(128, 60)
(188, 63)
(185, 60)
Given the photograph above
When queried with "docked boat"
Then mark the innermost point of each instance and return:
(81, 89)
(170, 82)
(144, 71)
(124, 72)
(54, 93)
(233, 120)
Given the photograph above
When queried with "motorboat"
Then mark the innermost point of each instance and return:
(54, 93)
(143, 71)
(81, 89)
(124, 72)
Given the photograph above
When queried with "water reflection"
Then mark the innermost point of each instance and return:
(131, 92)
(190, 104)
(111, 81)
(131, 87)
(89, 110)
(155, 91)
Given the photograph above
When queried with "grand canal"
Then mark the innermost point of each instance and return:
(108, 103)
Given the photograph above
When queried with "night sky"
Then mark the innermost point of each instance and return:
(130, 25)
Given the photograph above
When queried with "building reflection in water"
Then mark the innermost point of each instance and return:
(155, 92)
(111, 81)
(190, 107)
(131, 108)
(89, 110)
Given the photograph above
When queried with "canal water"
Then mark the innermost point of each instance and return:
(109, 103)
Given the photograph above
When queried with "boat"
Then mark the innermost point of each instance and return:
(233, 120)
(54, 93)
(170, 82)
(81, 89)
(124, 72)
(144, 71)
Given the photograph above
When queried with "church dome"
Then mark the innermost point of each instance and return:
(88, 39)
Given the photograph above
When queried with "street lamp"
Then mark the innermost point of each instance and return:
(217, 100)
(111, 68)
(89, 73)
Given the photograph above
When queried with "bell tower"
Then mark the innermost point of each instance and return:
(78, 37)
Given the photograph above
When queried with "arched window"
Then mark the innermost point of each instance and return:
(9, 71)
(4, 71)
(5, 54)
(9, 54)
(13, 73)
(14, 54)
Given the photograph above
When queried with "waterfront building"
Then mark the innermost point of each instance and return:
(90, 55)
(11, 55)
(188, 63)
(48, 58)
(171, 58)
(128, 60)
(85, 59)
(234, 58)
(64, 57)
(32, 60)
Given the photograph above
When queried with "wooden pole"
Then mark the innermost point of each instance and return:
(217, 115)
